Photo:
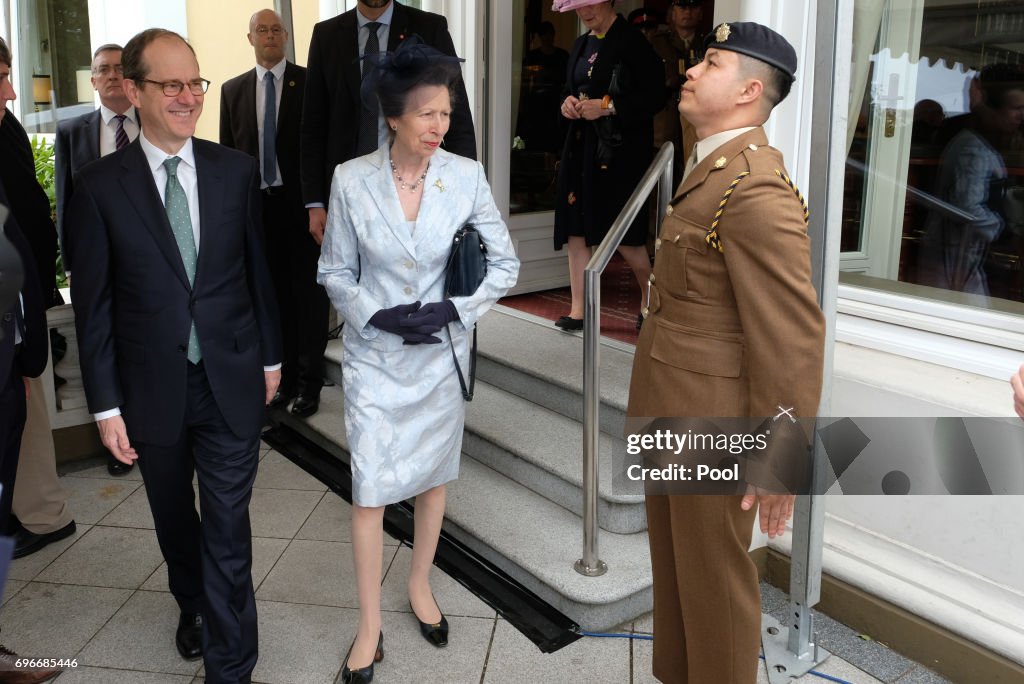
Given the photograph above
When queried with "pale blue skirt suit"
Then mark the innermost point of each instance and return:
(404, 411)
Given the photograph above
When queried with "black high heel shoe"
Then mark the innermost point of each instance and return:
(363, 675)
(437, 633)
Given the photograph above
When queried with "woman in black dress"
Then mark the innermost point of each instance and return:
(614, 88)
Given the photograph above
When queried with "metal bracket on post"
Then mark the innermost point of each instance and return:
(790, 650)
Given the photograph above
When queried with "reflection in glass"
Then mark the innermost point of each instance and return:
(934, 193)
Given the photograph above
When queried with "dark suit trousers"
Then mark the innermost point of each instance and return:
(12, 422)
(293, 255)
(707, 605)
(209, 563)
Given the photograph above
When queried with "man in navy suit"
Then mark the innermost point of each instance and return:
(90, 136)
(179, 340)
(336, 126)
(85, 139)
(291, 250)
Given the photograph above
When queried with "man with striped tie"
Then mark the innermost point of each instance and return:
(88, 137)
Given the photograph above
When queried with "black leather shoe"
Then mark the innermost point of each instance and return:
(26, 543)
(281, 399)
(363, 675)
(437, 633)
(189, 637)
(305, 406)
(566, 323)
(115, 467)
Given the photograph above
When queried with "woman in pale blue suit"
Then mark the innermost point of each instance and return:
(392, 216)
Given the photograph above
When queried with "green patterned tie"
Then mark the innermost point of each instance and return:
(176, 205)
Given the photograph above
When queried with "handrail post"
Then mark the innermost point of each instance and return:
(661, 170)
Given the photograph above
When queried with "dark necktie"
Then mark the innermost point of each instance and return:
(269, 129)
(120, 137)
(368, 116)
(176, 206)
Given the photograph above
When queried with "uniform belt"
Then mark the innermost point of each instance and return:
(693, 314)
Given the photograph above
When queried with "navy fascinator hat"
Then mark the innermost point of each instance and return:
(413, 63)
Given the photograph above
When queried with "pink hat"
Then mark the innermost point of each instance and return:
(566, 5)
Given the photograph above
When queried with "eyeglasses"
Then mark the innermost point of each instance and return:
(174, 88)
(106, 69)
(264, 30)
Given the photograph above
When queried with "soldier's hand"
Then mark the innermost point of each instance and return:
(774, 510)
(569, 107)
(317, 223)
(114, 436)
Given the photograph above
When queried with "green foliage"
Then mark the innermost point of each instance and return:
(42, 152)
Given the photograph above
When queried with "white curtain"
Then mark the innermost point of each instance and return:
(867, 21)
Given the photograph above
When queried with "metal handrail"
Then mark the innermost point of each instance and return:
(658, 173)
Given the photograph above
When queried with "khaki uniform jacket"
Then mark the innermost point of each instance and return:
(736, 332)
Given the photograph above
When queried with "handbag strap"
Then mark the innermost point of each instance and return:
(466, 394)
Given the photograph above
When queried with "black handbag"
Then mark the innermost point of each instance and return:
(463, 272)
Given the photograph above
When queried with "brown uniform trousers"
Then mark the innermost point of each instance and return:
(736, 332)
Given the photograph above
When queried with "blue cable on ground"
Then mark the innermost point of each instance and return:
(650, 637)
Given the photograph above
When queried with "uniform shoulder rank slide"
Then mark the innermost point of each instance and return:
(799, 195)
(712, 235)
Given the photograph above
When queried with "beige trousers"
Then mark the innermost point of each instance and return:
(40, 503)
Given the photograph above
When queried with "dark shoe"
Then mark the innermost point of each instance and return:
(305, 406)
(437, 633)
(363, 675)
(11, 673)
(566, 323)
(189, 637)
(281, 399)
(27, 543)
(639, 321)
(115, 467)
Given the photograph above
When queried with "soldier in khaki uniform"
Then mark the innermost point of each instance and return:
(680, 48)
(734, 329)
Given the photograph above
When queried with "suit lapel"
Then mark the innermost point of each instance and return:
(719, 159)
(210, 186)
(140, 188)
(291, 105)
(92, 135)
(382, 189)
(434, 204)
(399, 30)
(348, 38)
(247, 109)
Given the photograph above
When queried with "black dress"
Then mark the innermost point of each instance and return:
(603, 161)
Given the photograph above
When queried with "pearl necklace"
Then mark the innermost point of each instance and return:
(415, 186)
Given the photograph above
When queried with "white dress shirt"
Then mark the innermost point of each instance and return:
(108, 131)
(261, 111)
(711, 143)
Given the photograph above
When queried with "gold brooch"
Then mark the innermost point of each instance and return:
(722, 33)
(720, 162)
(439, 185)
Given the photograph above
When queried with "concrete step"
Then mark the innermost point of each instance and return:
(533, 539)
(530, 357)
(538, 447)
(542, 450)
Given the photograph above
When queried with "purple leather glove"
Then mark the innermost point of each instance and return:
(428, 319)
(389, 320)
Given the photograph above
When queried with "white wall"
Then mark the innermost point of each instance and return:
(115, 21)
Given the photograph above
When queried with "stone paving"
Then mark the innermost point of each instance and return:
(101, 597)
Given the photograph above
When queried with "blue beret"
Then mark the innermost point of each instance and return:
(754, 40)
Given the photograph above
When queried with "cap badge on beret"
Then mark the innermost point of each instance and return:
(722, 33)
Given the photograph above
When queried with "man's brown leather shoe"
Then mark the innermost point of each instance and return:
(10, 673)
